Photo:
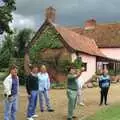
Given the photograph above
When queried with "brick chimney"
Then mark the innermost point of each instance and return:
(90, 24)
(50, 14)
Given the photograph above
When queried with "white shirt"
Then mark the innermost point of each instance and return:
(44, 81)
(80, 82)
(7, 83)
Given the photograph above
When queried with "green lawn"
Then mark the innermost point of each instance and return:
(108, 113)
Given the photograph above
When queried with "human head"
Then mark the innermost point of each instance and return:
(72, 69)
(105, 71)
(13, 70)
(43, 69)
(34, 69)
(82, 69)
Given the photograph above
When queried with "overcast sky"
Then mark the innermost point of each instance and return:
(30, 13)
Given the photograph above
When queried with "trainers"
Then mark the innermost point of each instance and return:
(30, 118)
(82, 104)
(69, 118)
(34, 116)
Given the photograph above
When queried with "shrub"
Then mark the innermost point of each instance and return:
(58, 85)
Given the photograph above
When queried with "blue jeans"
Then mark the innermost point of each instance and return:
(32, 103)
(44, 93)
(10, 108)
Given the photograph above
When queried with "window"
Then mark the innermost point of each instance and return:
(111, 66)
(85, 66)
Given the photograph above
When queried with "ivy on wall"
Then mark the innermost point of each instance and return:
(48, 39)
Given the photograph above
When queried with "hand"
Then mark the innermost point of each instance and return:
(10, 98)
(29, 95)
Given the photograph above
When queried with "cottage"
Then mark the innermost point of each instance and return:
(53, 43)
(107, 38)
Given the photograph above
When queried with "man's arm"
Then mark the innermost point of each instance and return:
(48, 82)
(100, 82)
(28, 85)
(77, 75)
(7, 87)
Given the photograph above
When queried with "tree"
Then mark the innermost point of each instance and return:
(6, 52)
(14, 46)
(6, 15)
(21, 39)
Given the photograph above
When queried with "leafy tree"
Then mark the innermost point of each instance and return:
(6, 15)
(23, 36)
(6, 52)
(13, 46)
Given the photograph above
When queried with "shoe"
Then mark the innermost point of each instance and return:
(74, 117)
(82, 104)
(50, 110)
(106, 104)
(30, 118)
(42, 110)
(34, 116)
(100, 104)
(69, 118)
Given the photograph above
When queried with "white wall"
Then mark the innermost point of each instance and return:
(91, 65)
(113, 53)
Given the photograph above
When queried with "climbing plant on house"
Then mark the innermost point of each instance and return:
(51, 39)
(48, 39)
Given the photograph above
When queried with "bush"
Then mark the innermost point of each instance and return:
(58, 85)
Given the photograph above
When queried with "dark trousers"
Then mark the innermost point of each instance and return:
(104, 94)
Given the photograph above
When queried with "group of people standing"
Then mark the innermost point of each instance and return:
(38, 84)
(75, 86)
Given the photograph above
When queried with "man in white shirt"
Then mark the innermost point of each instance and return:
(11, 90)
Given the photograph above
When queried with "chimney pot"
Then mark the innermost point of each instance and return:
(50, 14)
(90, 24)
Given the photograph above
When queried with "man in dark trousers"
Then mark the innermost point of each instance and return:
(32, 90)
(104, 84)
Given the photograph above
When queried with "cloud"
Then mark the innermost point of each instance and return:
(20, 21)
(69, 12)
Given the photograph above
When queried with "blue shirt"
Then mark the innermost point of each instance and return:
(44, 81)
(14, 89)
(104, 81)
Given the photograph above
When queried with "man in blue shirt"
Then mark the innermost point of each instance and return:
(11, 90)
(104, 84)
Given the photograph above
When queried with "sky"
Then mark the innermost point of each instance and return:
(30, 13)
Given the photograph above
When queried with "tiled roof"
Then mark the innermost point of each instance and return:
(105, 35)
(79, 42)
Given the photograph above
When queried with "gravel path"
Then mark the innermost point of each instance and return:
(59, 102)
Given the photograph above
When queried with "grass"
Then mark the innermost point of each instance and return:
(108, 113)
